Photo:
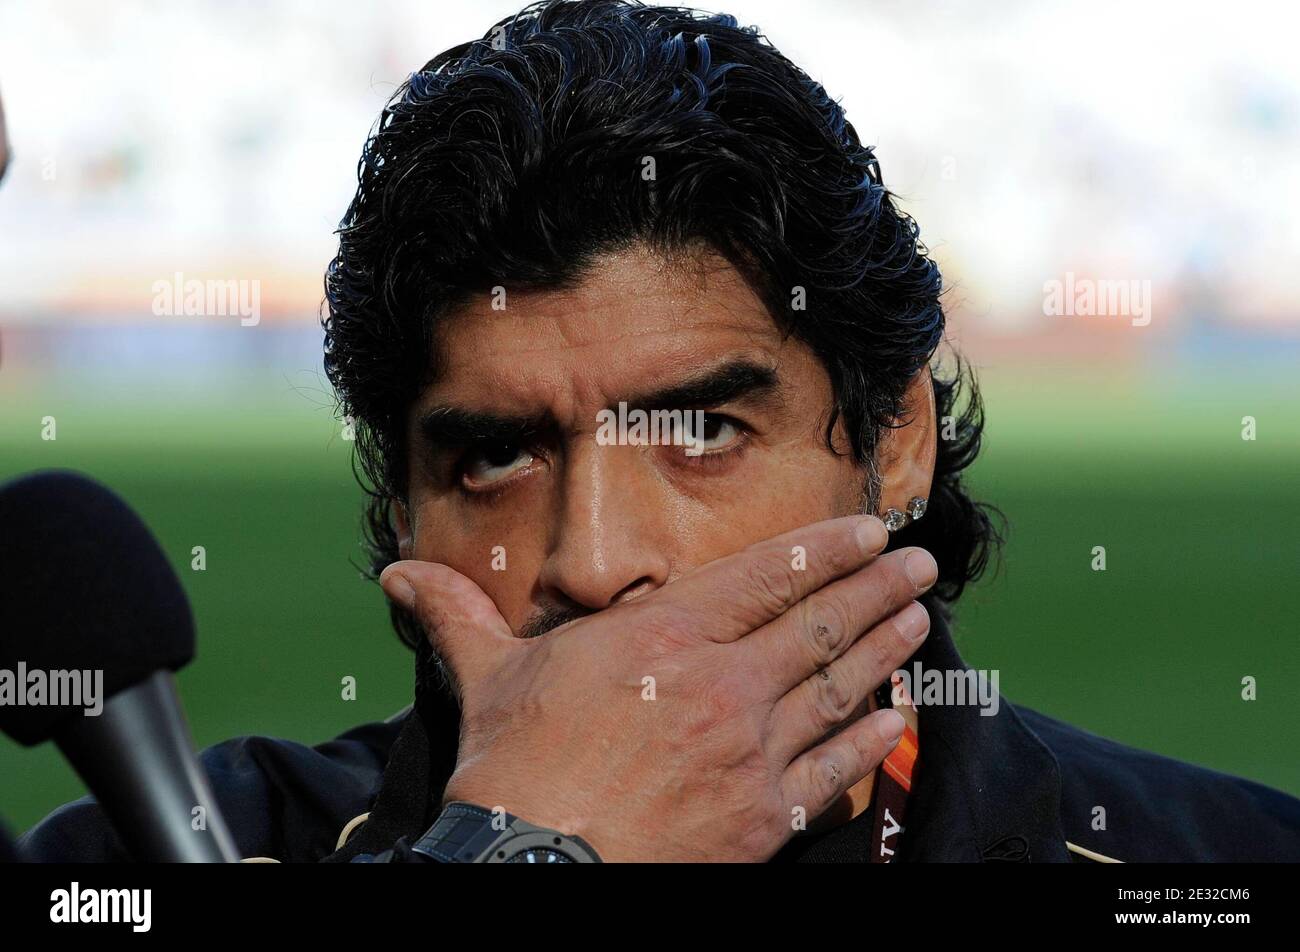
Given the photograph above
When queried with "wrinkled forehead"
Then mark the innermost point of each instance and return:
(634, 320)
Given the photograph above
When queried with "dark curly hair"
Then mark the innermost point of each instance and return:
(515, 159)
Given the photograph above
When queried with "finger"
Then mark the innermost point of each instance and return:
(827, 623)
(738, 593)
(821, 703)
(818, 778)
(463, 625)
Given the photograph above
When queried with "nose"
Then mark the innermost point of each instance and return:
(608, 544)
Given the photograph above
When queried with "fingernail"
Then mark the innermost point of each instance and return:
(921, 568)
(913, 622)
(871, 535)
(397, 587)
(889, 725)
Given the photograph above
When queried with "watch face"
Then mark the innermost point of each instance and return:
(539, 854)
(540, 846)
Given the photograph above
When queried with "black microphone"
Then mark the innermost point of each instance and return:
(8, 848)
(87, 593)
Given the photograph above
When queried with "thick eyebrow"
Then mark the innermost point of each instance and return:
(457, 426)
(448, 426)
(733, 380)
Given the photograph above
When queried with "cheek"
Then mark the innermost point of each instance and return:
(500, 552)
(780, 494)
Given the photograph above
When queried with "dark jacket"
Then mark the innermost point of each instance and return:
(1013, 787)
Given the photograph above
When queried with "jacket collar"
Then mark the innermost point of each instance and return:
(987, 789)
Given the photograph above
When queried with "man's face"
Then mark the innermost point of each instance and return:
(506, 469)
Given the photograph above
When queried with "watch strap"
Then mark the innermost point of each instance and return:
(461, 834)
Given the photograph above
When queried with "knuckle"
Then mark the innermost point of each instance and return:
(768, 582)
(724, 701)
(825, 623)
(826, 777)
(839, 556)
(832, 699)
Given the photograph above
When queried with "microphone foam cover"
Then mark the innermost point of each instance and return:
(84, 586)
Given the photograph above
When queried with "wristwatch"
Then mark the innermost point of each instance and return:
(466, 833)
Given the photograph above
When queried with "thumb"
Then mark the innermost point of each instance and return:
(462, 624)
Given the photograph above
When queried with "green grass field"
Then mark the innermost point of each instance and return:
(1202, 532)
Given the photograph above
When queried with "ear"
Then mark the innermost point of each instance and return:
(402, 525)
(907, 452)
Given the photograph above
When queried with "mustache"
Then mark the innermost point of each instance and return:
(550, 617)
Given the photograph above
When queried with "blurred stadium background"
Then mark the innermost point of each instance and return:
(1110, 140)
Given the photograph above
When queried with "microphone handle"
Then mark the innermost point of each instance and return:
(137, 759)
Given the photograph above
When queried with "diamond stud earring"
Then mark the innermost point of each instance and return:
(895, 519)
